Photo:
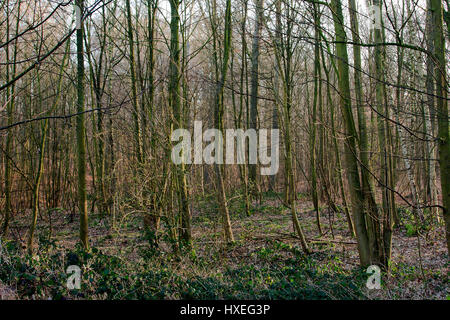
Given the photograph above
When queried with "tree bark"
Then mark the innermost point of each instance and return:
(442, 111)
(81, 135)
(357, 196)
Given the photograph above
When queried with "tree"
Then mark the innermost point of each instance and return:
(219, 120)
(134, 93)
(259, 4)
(317, 101)
(357, 196)
(81, 133)
(10, 100)
(175, 104)
(284, 54)
(442, 111)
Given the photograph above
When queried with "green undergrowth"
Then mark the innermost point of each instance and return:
(272, 271)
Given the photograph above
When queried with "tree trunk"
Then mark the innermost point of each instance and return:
(317, 97)
(81, 136)
(222, 197)
(442, 111)
(177, 122)
(253, 177)
(357, 196)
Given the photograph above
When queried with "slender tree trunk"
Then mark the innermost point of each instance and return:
(283, 50)
(152, 220)
(442, 110)
(373, 222)
(243, 88)
(222, 197)
(317, 97)
(431, 114)
(10, 93)
(177, 122)
(357, 196)
(81, 135)
(277, 80)
(134, 93)
(364, 146)
(253, 177)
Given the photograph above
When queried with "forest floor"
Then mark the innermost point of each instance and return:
(266, 261)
